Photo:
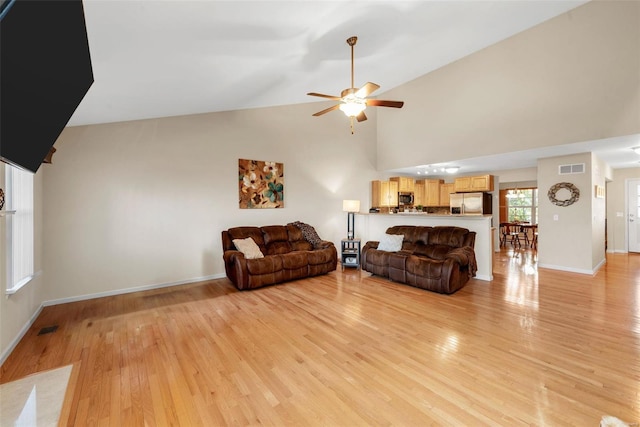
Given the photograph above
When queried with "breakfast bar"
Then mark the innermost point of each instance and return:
(371, 226)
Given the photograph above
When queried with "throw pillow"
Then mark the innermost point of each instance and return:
(248, 247)
(391, 242)
(309, 233)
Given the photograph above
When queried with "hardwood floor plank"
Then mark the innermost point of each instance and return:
(532, 347)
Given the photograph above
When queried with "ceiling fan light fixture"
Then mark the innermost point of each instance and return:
(352, 107)
(353, 101)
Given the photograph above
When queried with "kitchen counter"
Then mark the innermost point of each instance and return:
(371, 226)
(428, 215)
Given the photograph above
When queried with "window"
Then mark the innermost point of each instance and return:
(522, 205)
(19, 230)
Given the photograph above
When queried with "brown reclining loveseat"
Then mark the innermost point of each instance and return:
(287, 256)
(439, 259)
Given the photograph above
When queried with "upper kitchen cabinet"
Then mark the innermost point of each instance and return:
(468, 184)
(418, 193)
(445, 190)
(432, 192)
(405, 183)
(384, 194)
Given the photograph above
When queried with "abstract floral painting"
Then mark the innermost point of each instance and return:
(261, 184)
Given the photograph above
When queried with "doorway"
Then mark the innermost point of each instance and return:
(633, 214)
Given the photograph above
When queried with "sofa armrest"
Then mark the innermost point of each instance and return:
(235, 265)
(232, 256)
(464, 256)
(324, 244)
(370, 245)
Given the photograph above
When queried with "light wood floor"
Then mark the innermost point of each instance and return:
(532, 347)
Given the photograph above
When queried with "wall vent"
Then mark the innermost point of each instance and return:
(570, 169)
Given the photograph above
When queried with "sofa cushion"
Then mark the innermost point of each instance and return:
(391, 242)
(248, 248)
(276, 239)
(322, 256)
(413, 235)
(294, 260)
(297, 240)
(243, 232)
(266, 265)
(423, 267)
(450, 236)
(438, 252)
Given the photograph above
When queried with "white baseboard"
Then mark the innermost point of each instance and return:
(5, 354)
(23, 331)
(131, 290)
(484, 277)
(574, 270)
(616, 251)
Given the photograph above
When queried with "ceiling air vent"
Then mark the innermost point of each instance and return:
(569, 169)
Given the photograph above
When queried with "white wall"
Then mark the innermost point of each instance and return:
(567, 243)
(573, 78)
(17, 310)
(143, 203)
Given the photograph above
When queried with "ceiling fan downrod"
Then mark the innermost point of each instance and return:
(351, 41)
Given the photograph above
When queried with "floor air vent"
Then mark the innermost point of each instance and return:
(569, 169)
(48, 330)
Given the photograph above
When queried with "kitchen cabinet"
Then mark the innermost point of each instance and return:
(384, 194)
(473, 183)
(418, 193)
(432, 192)
(445, 190)
(405, 184)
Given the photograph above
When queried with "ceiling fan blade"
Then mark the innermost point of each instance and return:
(326, 110)
(380, 103)
(322, 95)
(361, 117)
(367, 89)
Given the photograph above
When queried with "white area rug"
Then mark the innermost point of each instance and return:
(35, 400)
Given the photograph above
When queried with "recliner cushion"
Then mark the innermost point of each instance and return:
(243, 232)
(294, 260)
(450, 236)
(438, 252)
(266, 265)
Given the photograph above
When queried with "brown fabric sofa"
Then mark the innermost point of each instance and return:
(438, 259)
(287, 256)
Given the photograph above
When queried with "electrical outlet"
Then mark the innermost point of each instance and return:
(555, 217)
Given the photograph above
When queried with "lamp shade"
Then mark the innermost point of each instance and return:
(351, 205)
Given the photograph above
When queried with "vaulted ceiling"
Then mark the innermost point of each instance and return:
(165, 58)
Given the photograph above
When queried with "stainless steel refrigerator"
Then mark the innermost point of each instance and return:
(471, 204)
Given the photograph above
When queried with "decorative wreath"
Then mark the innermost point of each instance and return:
(575, 194)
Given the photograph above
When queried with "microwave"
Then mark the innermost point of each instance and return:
(405, 199)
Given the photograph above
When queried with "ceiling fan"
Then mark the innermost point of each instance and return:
(353, 100)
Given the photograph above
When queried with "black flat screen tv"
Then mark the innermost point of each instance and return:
(45, 71)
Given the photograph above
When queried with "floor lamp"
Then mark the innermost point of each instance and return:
(351, 206)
